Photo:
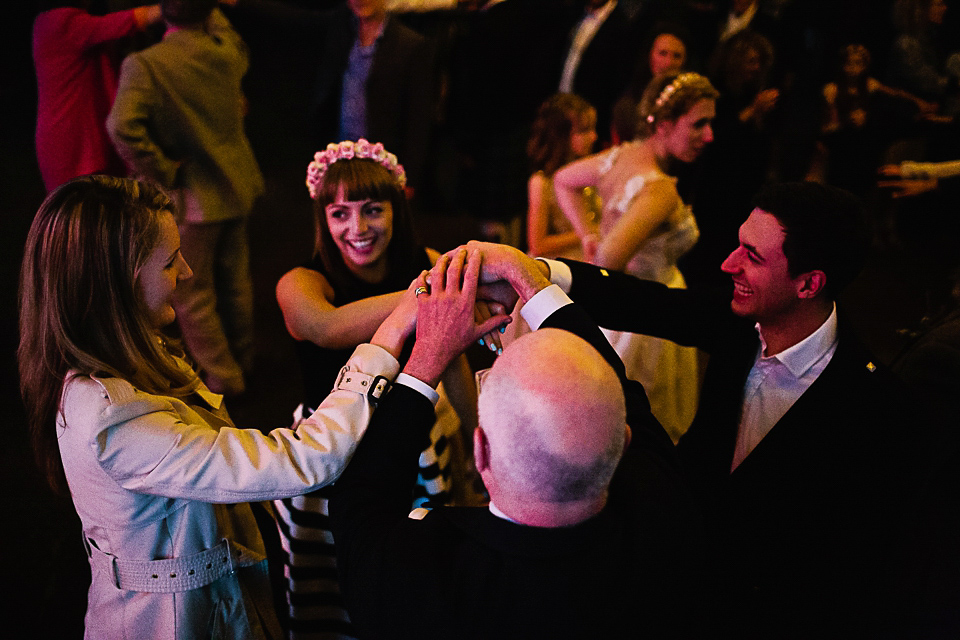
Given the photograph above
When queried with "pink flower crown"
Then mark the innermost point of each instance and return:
(347, 150)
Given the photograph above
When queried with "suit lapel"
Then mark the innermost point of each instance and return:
(804, 427)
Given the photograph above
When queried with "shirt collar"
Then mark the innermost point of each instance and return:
(803, 355)
(356, 27)
(600, 14)
(500, 514)
(747, 15)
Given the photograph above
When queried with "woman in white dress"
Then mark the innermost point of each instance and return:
(645, 227)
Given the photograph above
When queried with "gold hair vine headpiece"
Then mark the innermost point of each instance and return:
(669, 90)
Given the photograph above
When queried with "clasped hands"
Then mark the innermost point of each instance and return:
(466, 297)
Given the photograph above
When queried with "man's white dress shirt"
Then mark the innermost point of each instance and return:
(776, 382)
(586, 30)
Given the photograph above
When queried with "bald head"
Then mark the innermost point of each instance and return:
(553, 414)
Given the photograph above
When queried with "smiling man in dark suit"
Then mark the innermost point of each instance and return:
(804, 452)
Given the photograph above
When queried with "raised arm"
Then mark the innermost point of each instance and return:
(648, 210)
(76, 29)
(530, 279)
(157, 445)
(305, 299)
(568, 185)
(540, 242)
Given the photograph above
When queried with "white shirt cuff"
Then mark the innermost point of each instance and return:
(560, 274)
(419, 386)
(543, 304)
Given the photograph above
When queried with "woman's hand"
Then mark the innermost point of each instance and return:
(446, 324)
(394, 331)
(484, 310)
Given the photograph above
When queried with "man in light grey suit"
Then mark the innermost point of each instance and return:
(178, 121)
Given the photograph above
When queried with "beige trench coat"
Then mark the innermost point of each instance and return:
(154, 478)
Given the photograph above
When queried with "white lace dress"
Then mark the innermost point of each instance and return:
(668, 372)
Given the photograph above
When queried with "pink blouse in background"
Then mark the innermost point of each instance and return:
(77, 68)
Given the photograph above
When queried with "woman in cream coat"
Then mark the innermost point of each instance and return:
(160, 477)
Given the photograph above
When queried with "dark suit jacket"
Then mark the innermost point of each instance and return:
(465, 573)
(399, 90)
(606, 65)
(805, 533)
(399, 94)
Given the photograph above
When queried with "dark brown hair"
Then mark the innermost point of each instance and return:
(825, 229)
(362, 179)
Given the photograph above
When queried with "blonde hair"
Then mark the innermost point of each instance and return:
(670, 95)
(80, 308)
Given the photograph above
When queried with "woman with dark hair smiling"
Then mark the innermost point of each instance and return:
(365, 255)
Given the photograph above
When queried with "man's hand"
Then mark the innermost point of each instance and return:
(904, 187)
(506, 276)
(394, 331)
(908, 187)
(446, 323)
(502, 262)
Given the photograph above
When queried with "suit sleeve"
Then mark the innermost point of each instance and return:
(368, 505)
(647, 429)
(378, 482)
(622, 302)
(130, 121)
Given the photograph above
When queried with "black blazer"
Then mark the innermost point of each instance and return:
(605, 66)
(464, 573)
(806, 533)
(400, 91)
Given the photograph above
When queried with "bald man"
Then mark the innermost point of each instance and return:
(539, 465)
(589, 531)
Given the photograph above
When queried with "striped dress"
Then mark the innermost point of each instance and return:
(314, 603)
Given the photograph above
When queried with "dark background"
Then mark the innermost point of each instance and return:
(44, 571)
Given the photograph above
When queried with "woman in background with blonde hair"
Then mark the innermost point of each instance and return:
(645, 226)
